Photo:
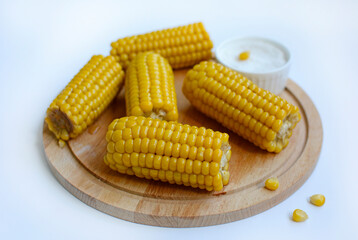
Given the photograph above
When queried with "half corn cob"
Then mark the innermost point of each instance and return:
(150, 88)
(183, 46)
(255, 114)
(168, 151)
(85, 97)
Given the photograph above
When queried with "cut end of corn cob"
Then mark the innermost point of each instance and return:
(253, 113)
(85, 97)
(150, 89)
(183, 46)
(169, 152)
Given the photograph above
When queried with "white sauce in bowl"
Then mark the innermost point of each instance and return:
(267, 66)
(265, 55)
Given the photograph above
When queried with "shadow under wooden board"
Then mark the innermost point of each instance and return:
(79, 167)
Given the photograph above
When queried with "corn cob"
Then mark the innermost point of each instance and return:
(150, 88)
(168, 151)
(183, 46)
(85, 97)
(253, 113)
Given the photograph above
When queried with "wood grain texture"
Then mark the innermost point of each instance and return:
(79, 167)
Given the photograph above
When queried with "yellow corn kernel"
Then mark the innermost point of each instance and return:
(129, 151)
(192, 152)
(299, 215)
(150, 90)
(217, 182)
(318, 200)
(244, 55)
(197, 167)
(272, 183)
(61, 143)
(141, 159)
(144, 147)
(134, 160)
(214, 168)
(173, 164)
(181, 162)
(226, 177)
(184, 150)
(149, 160)
(85, 97)
(183, 46)
(253, 113)
(165, 163)
(189, 166)
(176, 150)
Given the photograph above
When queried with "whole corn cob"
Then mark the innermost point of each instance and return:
(183, 46)
(150, 88)
(85, 97)
(168, 151)
(255, 114)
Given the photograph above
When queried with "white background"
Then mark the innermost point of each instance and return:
(44, 43)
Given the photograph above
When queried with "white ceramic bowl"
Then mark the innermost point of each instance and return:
(274, 79)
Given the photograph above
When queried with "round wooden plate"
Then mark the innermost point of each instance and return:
(79, 167)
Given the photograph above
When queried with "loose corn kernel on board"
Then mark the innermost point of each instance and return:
(79, 167)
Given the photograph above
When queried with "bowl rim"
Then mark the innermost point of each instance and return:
(274, 42)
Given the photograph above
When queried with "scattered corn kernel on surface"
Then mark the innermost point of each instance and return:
(318, 199)
(272, 183)
(299, 215)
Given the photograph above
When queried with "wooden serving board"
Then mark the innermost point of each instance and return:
(79, 167)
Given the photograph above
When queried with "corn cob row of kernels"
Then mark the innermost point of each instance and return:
(85, 97)
(156, 149)
(255, 114)
(207, 182)
(150, 88)
(163, 162)
(183, 46)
